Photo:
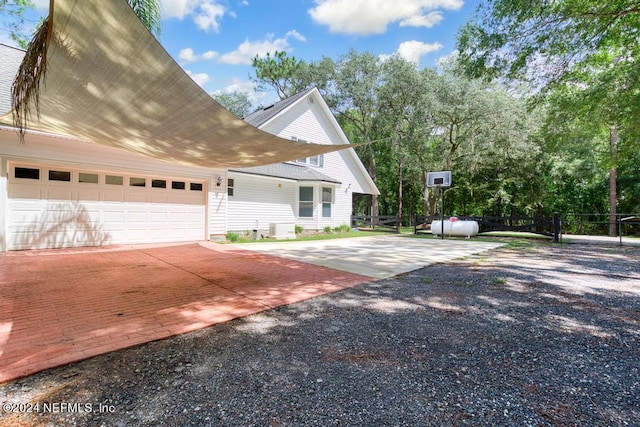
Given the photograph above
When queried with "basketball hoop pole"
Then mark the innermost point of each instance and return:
(440, 179)
(442, 213)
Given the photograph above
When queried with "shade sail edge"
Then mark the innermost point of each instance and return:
(110, 82)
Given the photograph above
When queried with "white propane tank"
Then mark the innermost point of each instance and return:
(455, 228)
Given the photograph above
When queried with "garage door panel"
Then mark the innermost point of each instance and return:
(179, 217)
(158, 198)
(26, 192)
(24, 215)
(133, 217)
(114, 195)
(116, 217)
(159, 217)
(89, 195)
(137, 197)
(43, 214)
(195, 216)
(59, 194)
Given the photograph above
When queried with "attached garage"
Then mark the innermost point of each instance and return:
(56, 206)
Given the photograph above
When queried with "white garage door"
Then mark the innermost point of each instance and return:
(54, 207)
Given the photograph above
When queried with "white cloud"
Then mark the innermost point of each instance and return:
(245, 86)
(177, 8)
(41, 5)
(205, 13)
(367, 17)
(208, 16)
(247, 50)
(237, 85)
(414, 50)
(296, 35)
(200, 78)
(187, 55)
(428, 20)
(210, 54)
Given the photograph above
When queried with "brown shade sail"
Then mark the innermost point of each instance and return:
(109, 81)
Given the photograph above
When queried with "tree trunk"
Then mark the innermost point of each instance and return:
(613, 177)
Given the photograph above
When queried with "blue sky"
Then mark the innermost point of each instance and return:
(214, 40)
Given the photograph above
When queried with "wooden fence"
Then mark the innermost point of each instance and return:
(380, 222)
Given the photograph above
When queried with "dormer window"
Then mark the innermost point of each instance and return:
(317, 160)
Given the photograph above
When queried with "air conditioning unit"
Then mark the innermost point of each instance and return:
(282, 231)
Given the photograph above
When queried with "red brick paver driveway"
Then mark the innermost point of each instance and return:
(61, 306)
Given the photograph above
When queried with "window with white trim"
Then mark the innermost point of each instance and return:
(317, 160)
(327, 198)
(305, 203)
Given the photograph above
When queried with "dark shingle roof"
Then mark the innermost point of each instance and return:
(258, 118)
(288, 171)
(10, 59)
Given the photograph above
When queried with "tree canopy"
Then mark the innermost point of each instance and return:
(556, 38)
(579, 55)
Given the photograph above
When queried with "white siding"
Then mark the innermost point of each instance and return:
(260, 200)
(310, 121)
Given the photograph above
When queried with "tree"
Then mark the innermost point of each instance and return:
(13, 19)
(236, 102)
(149, 13)
(565, 43)
(399, 94)
(354, 100)
(280, 73)
(556, 38)
(287, 76)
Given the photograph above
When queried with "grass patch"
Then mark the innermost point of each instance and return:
(336, 233)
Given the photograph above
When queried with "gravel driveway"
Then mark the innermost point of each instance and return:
(531, 336)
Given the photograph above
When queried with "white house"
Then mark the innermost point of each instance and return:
(312, 192)
(126, 147)
(66, 191)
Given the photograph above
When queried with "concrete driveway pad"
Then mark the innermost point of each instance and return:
(377, 256)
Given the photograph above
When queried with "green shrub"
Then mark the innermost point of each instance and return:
(327, 229)
(299, 229)
(344, 228)
(233, 237)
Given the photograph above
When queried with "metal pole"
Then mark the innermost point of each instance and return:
(620, 228)
(442, 214)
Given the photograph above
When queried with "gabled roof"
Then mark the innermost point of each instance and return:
(260, 117)
(11, 59)
(263, 117)
(288, 171)
(282, 170)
